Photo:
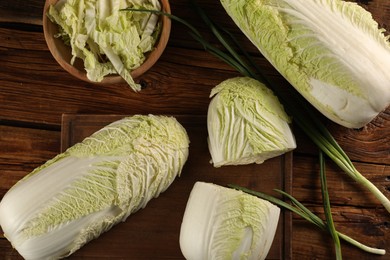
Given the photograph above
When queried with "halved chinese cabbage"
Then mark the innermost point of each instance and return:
(331, 51)
(93, 185)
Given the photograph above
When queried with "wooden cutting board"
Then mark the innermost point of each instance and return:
(153, 232)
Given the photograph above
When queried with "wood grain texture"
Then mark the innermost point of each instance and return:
(23, 149)
(19, 11)
(35, 92)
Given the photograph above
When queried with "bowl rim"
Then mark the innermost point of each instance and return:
(151, 57)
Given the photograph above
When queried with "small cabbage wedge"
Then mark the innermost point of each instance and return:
(246, 123)
(93, 185)
(331, 51)
(223, 223)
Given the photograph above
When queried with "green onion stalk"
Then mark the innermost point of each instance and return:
(327, 208)
(299, 209)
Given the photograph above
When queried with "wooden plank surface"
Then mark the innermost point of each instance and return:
(35, 92)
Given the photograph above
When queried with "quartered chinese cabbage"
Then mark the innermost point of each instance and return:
(246, 123)
(331, 51)
(93, 185)
(223, 223)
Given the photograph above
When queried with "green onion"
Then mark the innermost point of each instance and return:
(299, 209)
(327, 208)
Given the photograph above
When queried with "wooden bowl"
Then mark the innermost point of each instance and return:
(62, 53)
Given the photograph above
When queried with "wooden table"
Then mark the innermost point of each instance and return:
(35, 91)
